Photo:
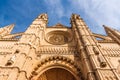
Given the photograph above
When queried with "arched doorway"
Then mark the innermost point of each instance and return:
(54, 66)
(56, 74)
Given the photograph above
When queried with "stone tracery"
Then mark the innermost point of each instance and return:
(58, 37)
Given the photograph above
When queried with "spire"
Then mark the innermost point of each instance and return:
(6, 30)
(114, 31)
(10, 28)
(114, 34)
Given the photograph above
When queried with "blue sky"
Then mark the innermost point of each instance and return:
(94, 12)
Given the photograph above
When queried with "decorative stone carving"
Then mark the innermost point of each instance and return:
(102, 61)
(58, 37)
(53, 60)
(108, 75)
(40, 48)
(5, 53)
(96, 50)
(112, 52)
(9, 63)
(56, 50)
(43, 16)
(11, 60)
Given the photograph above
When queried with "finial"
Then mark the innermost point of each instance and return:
(43, 16)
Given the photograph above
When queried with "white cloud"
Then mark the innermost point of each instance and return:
(96, 12)
(55, 7)
(101, 12)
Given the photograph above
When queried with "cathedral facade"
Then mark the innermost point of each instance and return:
(59, 52)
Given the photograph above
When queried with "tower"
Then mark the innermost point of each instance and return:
(59, 52)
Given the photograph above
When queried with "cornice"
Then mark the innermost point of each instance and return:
(106, 41)
(9, 39)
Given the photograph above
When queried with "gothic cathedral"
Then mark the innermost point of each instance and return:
(59, 52)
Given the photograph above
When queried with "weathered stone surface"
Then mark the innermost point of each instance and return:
(59, 52)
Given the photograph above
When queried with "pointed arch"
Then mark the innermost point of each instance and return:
(56, 62)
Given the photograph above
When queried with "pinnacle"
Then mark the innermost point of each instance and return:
(111, 29)
(6, 30)
(43, 16)
(106, 27)
(108, 30)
